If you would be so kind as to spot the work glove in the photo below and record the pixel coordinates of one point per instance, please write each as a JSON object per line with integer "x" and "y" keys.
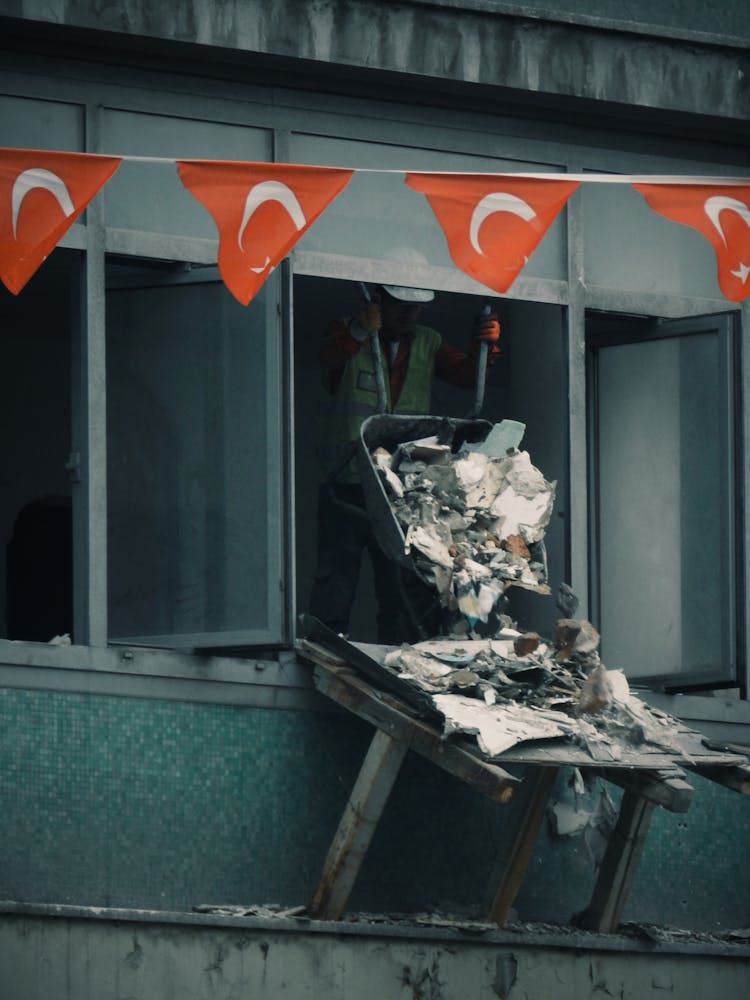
{"x": 368, "y": 319}
{"x": 487, "y": 330}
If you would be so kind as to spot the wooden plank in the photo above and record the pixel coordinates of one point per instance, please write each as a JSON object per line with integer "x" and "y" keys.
{"x": 736, "y": 777}
{"x": 323, "y": 646}
{"x": 619, "y": 866}
{"x": 388, "y": 714}
{"x": 664, "y": 788}
{"x": 357, "y": 826}
{"x": 514, "y": 868}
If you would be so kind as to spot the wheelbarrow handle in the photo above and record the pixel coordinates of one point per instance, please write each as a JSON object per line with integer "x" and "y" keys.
{"x": 481, "y": 378}
{"x": 377, "y": 358}
{"x": 377, "y": 361}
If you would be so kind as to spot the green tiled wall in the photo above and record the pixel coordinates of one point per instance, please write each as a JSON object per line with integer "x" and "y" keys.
{"x": 142, "y": 803}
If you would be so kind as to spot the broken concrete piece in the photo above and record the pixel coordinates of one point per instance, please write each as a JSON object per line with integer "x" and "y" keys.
{"x": 524, "y": 506}
{"x": 429, "y": 545}
{"x": 516, "y": 546}
{"x": 424, "y": 450}
{"x": 503, "y": 438}
{"x": 382, "y": 460}
{"x": 596, "y": 693}
{"x": 526, "y": 644}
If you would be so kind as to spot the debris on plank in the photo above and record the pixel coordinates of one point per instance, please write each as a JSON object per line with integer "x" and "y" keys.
{"x": 265, "y": 910}
{"x": 473, "y": 521}
{"x": 516, "y": 687}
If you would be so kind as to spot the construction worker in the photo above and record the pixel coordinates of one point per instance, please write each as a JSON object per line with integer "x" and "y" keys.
{"x": 412, "y": 355}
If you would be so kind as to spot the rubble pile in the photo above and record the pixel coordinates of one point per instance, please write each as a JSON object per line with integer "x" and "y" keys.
{"x": 472, "y": 520}
{"x": 517, "y": 687}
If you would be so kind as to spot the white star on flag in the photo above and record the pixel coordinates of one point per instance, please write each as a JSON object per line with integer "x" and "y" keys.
{"x": 742, "y": 272}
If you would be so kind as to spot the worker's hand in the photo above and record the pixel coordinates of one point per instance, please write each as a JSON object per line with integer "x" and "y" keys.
{"x": 487, "y": 328}
{"x": 487, "y": 331}
{"x": 368, "y": 319}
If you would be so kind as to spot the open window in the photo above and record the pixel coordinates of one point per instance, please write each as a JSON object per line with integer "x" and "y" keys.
{"x": 526, "y": 384}
{"x": 665, "y": 559}
{"x": 36, "y": 533}
{"x": 195, "y": 466}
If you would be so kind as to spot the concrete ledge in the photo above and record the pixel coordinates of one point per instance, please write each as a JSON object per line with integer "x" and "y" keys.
{"x": 493, "y": 46}
{"x": 81, "y": 953}
{"x": 282, "y": 683}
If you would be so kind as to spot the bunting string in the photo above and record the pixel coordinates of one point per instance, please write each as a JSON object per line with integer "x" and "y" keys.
{"x": 492, "y": 221}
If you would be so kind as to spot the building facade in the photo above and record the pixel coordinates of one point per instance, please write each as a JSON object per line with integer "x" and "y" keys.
{"x": 160, "y": 488}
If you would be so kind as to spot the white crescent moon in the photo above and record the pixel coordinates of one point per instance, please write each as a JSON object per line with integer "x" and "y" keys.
{"x": 271, "y": 191}
{"x": 497, "y": 201}
{"x": 713, "y": 208}
{"x": 37, "y": 177}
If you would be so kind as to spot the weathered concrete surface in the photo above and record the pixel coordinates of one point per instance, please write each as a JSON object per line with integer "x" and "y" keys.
{"x": 147, "y": 956}
{"x": 478, "y": 45}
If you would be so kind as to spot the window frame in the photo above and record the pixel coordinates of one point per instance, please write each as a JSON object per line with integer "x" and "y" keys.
{"x": 575, "y": 148}
{"x": 727, "y": 324}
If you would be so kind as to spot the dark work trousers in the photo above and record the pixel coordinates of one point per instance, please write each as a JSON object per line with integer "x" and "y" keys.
{"x": 343, "y": 535}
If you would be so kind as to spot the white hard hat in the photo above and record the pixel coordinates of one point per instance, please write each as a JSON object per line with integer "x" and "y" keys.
{"x": 406, "y": 293}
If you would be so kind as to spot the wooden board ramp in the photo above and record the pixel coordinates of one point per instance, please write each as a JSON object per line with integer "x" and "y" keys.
{"x": 649, "y": 778}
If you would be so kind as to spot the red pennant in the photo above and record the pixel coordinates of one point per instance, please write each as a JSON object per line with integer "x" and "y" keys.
{"x": 261, "y": 210}
{"x": 41, "y": 196}
{"x": 721, "y": 213}
{"x": 493, "y": 223}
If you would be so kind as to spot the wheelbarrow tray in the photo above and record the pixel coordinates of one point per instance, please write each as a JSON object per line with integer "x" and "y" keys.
{"x": 389, "y": 430}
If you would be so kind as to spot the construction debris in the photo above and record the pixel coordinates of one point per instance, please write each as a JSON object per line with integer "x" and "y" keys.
{"x": 472, "y": 520}
{"x": 519, "y": 687}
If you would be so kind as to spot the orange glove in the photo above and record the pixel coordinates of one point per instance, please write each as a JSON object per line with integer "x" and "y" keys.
{"x": 367, "y": 320}
{"x": 487, "y": 328}
{"x": 487, "y": 331}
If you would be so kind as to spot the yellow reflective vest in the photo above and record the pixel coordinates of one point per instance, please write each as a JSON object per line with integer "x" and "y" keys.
{"x": 356, "y": 397}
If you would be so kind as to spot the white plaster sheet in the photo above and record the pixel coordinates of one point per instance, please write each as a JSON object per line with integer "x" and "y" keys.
{"x": 499, "y": 727}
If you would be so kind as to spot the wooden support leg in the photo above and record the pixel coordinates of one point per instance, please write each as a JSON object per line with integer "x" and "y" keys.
{"x": 619, "y": 866}
{"x": 514, "y": 868}
{"x": 357, "y": 826}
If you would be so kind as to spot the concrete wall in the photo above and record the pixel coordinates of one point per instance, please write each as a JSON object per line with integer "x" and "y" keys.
{"x": 111, "y": 955}
{"x": 113, "y": 801}
{"x": 148, "y": 803}
{"x": 506, "y": 47}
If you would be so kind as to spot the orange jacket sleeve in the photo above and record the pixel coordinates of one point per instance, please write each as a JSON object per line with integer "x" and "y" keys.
{"x": 336, "y": 348}
{"x": 456, "y": 367}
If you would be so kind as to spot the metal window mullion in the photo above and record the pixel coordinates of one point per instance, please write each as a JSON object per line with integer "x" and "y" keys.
{"x": 577, "y": 445}
{"x": 90, "y": 509}
{"x": 288, "y": 565}
{"x": 89, "y": 437}
{"x": 743, "y": 673}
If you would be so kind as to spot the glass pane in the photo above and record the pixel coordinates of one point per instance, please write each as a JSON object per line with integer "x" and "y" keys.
{"x": 193, "y": 456}
{"x": 149, "y": 197}
{"x": 627, "y": 246}
{"x": 664, "y": 549}
{"x": 36, "y": 568}
{"x": 377, "y": 211}
{"x": 31, "y": 124}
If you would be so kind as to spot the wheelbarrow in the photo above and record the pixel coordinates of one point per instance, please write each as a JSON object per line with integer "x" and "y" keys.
{"x": 388, "y": 430}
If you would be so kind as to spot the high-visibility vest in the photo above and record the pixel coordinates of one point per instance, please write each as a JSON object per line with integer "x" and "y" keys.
{"x": 356, "y": 397}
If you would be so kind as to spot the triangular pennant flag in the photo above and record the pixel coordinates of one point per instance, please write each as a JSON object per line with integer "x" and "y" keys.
{"x": 261, "y": 210}
{"x": 42, "y": 193}
{"x": 721, "y": 213}
{"x": 492, "y": 222}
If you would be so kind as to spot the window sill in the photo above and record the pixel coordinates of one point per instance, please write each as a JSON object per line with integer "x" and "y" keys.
{"x": 717, "y": 716}
{"x": 284, "y": 683}
{"x": 135, "y": 672}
